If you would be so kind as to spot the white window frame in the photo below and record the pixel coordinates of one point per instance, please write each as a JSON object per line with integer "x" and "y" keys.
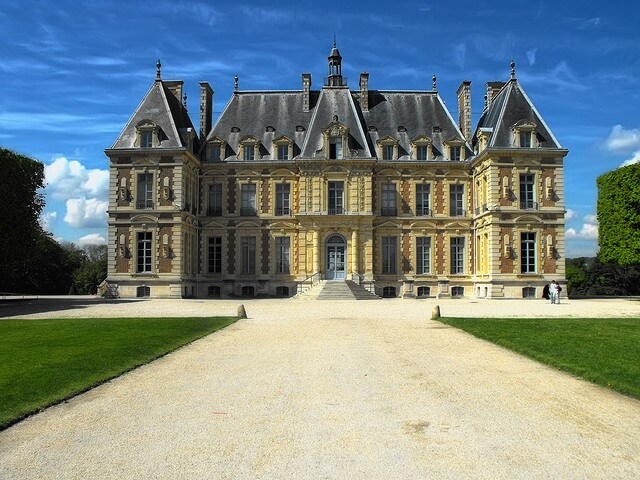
{"x": 423, "y": 255}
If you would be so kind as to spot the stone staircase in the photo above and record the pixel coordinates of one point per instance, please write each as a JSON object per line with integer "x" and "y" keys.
{"x": 345, "y": 290}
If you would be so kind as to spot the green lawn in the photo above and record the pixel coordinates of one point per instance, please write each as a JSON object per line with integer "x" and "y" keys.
{"x": 603, "y": 351}
{"x": 45, "y": 361}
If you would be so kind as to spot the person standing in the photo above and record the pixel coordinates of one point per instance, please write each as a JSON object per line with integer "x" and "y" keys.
{"x": 554, "y": 292}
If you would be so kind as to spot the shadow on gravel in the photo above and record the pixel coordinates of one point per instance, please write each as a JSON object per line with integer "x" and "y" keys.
{"x": 13, "y": 308}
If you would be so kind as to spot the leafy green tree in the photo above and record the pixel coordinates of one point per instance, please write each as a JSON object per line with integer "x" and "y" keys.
{"x": 619, "y": 216}
{"x": 20, "y": 208}
{"x": 92, "y": 271}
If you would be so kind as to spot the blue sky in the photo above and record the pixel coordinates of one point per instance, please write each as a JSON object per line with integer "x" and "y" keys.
{"x": 73, "y": 72}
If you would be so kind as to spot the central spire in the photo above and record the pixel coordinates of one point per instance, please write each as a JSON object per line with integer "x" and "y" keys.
{"x": 335, "y": 67}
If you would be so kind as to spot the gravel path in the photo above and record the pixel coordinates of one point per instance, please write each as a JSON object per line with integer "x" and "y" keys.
{"x": 335, "y": 390}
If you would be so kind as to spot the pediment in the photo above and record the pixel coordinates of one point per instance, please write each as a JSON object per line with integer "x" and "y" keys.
{"x": 282, "y": 139}
{"x": 524, "y": 124}
{"x": 282, "y": 172}
{"x": 214, "y": 225}
{"x": 387, "y": 140}
{"x": 248, "y": 224}
{"x": 143, "y": 218}
{"x": 424, "y": 225}
{"x": 248, "y": 173}
{"x": 421, "y": 139}
{"x": 390, "y": 224}
{"x": 215, "y": 172}
{"x": 528, "y": 218}
{"x": 141, "y": 162}
{"x": 282, "y": 225}
{"x": 145, "y": 123}
{"x": 335, "y": 169}
{"x": 390, "y": 172}
{"x": 457, "y": 226}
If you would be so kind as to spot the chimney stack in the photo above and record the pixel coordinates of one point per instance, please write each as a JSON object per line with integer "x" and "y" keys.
{"x": 175, "y": 87}
{"x": 364, "y": 91}
{"x": 492, "y": 90}
{"x": 206, "y": 109}
{"x": 306, "y": 89}
{"x": 464, "y": 108}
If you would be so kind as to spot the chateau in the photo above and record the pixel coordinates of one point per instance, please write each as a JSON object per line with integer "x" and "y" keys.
{"x": 380, "y": 187}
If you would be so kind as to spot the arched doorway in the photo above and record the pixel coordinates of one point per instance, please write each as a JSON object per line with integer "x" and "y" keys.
{"x": 336, "y": 258}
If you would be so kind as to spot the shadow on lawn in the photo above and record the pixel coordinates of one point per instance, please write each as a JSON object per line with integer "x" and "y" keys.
{"x": 31, "y": 306}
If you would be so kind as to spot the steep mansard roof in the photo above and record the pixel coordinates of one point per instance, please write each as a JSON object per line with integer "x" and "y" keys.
{"x": 160, "y": 107}
{"x": 403, "y": 116}
{"x": 510, "y": 107}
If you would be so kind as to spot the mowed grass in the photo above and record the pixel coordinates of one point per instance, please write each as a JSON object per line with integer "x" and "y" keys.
{"x": 45, "y": 361}
{"x": 603, "y": 351}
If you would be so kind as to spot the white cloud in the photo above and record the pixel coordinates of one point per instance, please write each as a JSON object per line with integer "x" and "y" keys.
{"x": 531, "y": 56}
{"x": 570, "y": 214}
{"x": 86, "y": 212}
{"x": 635, "y": 158}
{"x": 70, "y": 179}
{"x": 622, "y": 140}
{"x": 589, "y": 229}
{"x": 47, "y": 219}
{"x": 91, "y": 239}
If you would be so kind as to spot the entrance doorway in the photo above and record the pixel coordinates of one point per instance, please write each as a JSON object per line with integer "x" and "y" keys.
{"x": 336, "y": 258}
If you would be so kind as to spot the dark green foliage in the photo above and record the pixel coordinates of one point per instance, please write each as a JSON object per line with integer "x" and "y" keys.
{"x": 92, "y": 271}
{"x": 45, "y": 361}
{"x": 590, "y": 277}
{"x": 619, "y": 216}
{"x": 604, "y": 351}
{"x": 20, "y": 208}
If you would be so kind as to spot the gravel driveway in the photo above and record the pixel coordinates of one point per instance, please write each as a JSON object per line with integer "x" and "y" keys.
{"x": 335, "y": 390}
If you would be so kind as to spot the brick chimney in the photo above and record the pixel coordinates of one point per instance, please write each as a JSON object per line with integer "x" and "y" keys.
{"x": 464, "y": 108}
{"x": 206, "y": 109}
{"x": 492, "y": 90}
{"x": 175, "y": 87}
{"x": 364, "y": 91}
{"x": 306, "y": 91}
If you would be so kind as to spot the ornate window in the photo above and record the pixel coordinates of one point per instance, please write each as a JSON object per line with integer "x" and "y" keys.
{"x": 423, "y": 207}
{"x": 456, "y": 149}
{"x": 456, "y": 200}
{"x": 388, "y": 148}
{"x": 336, "y": 198}
{"x": 457, "y": 255}
{"x": 143, "y": 263}
{"x": 214, "y": 264}
{"x": 527, "y": 191}
{"x": 215, "y": 150}
{"x": 283, "y": 148}
{"x": 146, "y": 134}
{"x": 335, "y": 139}
{"x": 144, "y": 198}
{"x": 249, "y": 149}
{"x": 528, "y": 252}
{"x": 423, "y": 255}
{"x": 388, "y": 197}
{"x": 421, "y": 148}
{"x": 524, "y": 134}
{"x": 248, "y": 199}
{"x": 248, "y": 255}
{"x": 389, "y": 254}
{"x": 283, "y": 199}
{"x": 282, "y": 254}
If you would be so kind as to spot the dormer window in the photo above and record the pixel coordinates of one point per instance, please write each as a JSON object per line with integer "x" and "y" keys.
{"x": 524, "y": 134}
{"x": 420, "y": 148}
{"x": 215, "y": 150}
{"x": 248, "y": 149}
{"x": 335, "y": 139}
{"x": 283, "y": 148}
{"x": 388, "y": 148}
{"x": 147, "y": 134}
{"x": 456, "y": 152}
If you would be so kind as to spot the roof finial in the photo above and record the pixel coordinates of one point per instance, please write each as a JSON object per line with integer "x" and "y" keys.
{"x": 158, "y": 67}
{"x": 184, "y": 101}
{"x": 513, "y": 70}
{"x": 235, "y": 83}
{"x": 434, "y": 79}
{"x": 334, "y": 39}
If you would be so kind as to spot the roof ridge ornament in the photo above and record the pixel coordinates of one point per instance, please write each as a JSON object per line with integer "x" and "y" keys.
{"x": 513, "y": 70}
{"x": 235, "y": 84}
{"x": 434, "y": 81}
{"x": 158, "y": 67}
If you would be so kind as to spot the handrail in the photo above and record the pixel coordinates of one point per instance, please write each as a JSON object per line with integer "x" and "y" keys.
{"x": 310, "y": 279}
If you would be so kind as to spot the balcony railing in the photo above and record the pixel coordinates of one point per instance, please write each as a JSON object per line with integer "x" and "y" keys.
{"x": 144, "y": 204}
{"x": 528, "y": 205}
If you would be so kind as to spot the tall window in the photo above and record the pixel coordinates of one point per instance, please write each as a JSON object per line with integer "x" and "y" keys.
{"x": 248, "y": 254}
{"x": 336, "y": 198}
{"x": 457, "y": 255}
{"x": 389, "y": 199}
{"x": 456, "y": 200}
{"x": 283, "y": 152}
{"x": 527, "y": 191}
{"x": 146, "y": 138}
{"x": 387, "y": 152}
{"x": 335, "y": 147}
{"x": 282, "y": 254}
{"x": 248, "y": 199}
{"x": 422, "y": 199}
{"x": 389, "y": 250}
{"x": 423, "y": 255}
{"x": 144, "y": 252}
{"x": 421, "y": 152}
{"x": 248, "y": 152}
{"x": 525, "y": 139}
{"x": 145, "y": 191}
{"x": 455, "y": 153}
{"x": 214, "y": 202}
{"x": 282, "y": 199}
{"x": 528, "y": 252}
{"x": 215, "y": 255}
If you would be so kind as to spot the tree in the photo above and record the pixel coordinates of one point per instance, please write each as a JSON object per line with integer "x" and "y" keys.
{"x": 93, "y": 271}
{"x": 619, "y": 216}
{"x": 20, "y": 208}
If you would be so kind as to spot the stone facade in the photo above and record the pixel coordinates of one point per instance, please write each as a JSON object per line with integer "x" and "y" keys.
{"x": 379, "y": 187}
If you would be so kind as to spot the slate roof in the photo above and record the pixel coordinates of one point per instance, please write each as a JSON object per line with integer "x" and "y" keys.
{"x": 161, "y": 107}
{"x": 510, "y": 106}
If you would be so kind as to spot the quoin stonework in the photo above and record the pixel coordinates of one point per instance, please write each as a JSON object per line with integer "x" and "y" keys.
{"x": 380, "y": 187}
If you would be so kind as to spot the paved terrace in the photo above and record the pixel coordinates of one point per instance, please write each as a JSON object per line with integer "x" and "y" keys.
{"x": 343, "y": 389}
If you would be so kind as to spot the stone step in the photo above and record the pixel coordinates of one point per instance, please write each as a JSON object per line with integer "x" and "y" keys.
{"x": 344, "y": 290}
